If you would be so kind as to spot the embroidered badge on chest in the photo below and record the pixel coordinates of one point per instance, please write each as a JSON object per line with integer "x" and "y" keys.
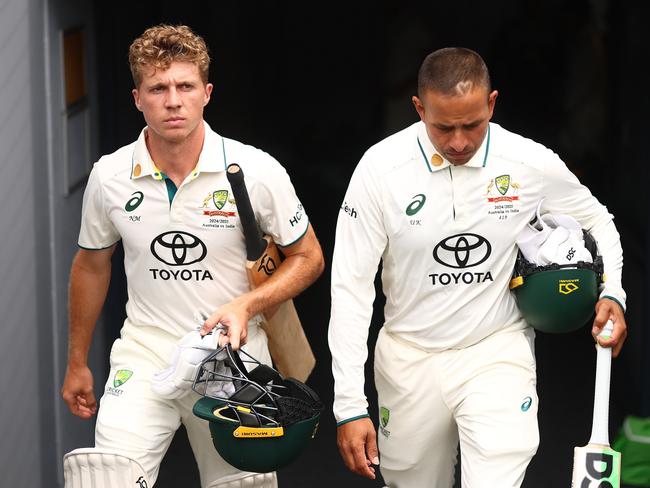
{"x": 218, "y": 210}
{"x": 502, "y": 197}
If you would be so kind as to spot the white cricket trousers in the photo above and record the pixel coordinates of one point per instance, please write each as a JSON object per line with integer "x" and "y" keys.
{"x": 483, "y": 396}
{"x": 136, "y": 422}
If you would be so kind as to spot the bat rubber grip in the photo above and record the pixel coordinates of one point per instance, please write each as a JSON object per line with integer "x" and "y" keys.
{"x": 255, "y": 243}
{"x": 600, "y": 423}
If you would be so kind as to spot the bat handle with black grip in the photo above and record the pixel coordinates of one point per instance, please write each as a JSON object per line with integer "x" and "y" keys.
{"x": 255, "y": 243}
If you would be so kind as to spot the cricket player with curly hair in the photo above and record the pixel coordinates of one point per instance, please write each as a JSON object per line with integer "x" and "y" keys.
{"x": 167, "y": 198}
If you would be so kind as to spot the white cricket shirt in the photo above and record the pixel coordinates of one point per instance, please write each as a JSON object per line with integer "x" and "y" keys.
{"x": 184, "y": 255}
{"x": 446, "y": 236}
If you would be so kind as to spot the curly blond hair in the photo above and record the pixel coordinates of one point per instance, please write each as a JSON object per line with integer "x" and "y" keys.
{"x": 163, "y": 44}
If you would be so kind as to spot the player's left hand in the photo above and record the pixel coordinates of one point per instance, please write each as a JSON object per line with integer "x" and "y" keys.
{"x": 607, "y": 309}
{"x": 233, "y": 316}
{"x": 357, "y": 441}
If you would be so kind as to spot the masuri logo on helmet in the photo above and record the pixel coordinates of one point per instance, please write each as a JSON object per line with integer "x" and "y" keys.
{"x": 265, "y": 421}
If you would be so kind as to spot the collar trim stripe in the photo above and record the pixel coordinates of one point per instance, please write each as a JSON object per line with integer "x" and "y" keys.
{"x": 424, "y": 155}
{"x": 223, "y": 150}
{"x": 487, "y": 147}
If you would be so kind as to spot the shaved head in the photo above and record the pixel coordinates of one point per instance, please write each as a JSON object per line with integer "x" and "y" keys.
{"x": 453, "y": 71}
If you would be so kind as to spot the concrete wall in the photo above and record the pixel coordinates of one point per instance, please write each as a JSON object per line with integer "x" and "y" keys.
{"x": 23, "y": 213}
{"x": 39, "y": 218}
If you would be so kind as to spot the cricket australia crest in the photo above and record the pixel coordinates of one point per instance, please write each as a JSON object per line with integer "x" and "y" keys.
{"x": 221, "y": 214}
{"x": 502, "y": 183}
{"x": 121, "y": 377}
{"x": 502, "y": 197}
{"x": 220, "y": 197}
{"x": 384, "y": 417}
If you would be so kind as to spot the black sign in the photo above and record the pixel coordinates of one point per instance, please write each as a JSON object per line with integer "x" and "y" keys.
{"x": 178, "y": 248}
{"x": 462, "y": 251}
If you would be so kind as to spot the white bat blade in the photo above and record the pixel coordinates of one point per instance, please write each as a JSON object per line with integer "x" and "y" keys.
{"x": 596, "y": 466}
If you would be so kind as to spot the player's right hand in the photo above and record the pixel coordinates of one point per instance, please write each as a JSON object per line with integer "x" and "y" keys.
{"x": 233, "y": 316}
{"x": 357, "y": 441}
{"x": 607, "y": 309}
{"x": 77, "y": 391}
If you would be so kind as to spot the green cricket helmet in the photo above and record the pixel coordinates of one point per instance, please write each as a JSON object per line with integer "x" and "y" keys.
{"x": 558, "y": 298}
{"x": 259, "y": 421}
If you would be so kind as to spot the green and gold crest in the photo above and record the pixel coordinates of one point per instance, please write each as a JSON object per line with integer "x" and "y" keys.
{"x": 384, "y": 416}
{"x": 220, "y": 197}
{"x": 121, "y": 377}
{"x": 503, "y": 183}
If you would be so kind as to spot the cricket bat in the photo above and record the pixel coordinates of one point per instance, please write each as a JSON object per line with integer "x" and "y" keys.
{"x": 288, "y": 345}
{"x": 597, "y": 465}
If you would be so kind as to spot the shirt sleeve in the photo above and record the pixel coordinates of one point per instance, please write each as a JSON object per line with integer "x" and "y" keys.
{"x": 564, "y": 193}
{"x": 97, "y": 231}
{"x": 277, "y": 207}
{"x": 361, "y": 239}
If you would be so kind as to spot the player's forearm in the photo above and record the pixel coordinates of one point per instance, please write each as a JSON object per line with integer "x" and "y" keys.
{"x": 609, "y": 246}
{"x": 352, "y": 298}
{"x": 294, "y": 275}
{"x": 350, "y": 402}
{"x": 87, "y": 293}
{"x": 565, "y": 194}
{"x": 351, "y": 313}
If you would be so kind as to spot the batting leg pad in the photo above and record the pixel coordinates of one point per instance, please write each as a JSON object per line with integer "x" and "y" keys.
{"x": 261, "y": 480}
{"x": 99, "y": 468}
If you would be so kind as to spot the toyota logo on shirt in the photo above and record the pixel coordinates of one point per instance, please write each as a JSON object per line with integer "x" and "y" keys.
{"x": 178, "y": 248}
{"x": 462, "y": 251}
